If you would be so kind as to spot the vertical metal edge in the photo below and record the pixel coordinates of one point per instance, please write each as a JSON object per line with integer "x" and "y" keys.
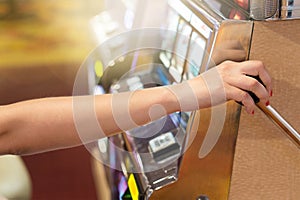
{"x": 241, "y": 31}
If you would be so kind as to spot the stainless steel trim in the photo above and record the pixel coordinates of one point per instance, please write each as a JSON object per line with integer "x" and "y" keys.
{"x": 263, "y": 9}
{"x": 281, "y": 122}
{"x": 181, "y": 9}
{"x": 212, "y": 20}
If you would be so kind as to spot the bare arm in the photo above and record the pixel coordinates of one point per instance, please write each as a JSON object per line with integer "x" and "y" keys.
{"x": 52, "y": 123}
{"x": 47, "y": 124}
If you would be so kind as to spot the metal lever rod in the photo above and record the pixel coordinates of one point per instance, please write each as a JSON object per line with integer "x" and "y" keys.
{"x": 281, "y": 122}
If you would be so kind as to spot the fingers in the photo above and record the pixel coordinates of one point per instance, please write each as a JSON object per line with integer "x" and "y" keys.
{"x": 257, "y": 68}
{"x": 248, "y": 83}
{"x": 243, "y": 97}
{"x": 240, "y": 78}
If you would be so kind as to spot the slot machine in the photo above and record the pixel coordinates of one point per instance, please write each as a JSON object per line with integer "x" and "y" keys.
{"x": 215, "y": 153}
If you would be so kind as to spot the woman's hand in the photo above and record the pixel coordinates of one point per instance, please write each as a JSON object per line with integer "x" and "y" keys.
{"x": 231, "y": 81}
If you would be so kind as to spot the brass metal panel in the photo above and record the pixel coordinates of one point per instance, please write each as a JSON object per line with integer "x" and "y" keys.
{"x": 211, "y": 175}
{"x": 267, "y": 163}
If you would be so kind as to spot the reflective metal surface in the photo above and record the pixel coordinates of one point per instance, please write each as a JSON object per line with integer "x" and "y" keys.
{"x": 263, "y": 9}
{"x": 213, "y": 27}
{"x": 210, "y": 176}
{"x": 255, "y": 9}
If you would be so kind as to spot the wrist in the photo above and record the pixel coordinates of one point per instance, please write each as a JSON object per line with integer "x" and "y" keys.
{"x": 185, "y": 95}
{"x": 201, "y": 91}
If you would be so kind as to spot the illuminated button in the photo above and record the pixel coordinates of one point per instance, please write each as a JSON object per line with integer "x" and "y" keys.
{"x": 133, "y": 187}
{"x": 98, "y": 67}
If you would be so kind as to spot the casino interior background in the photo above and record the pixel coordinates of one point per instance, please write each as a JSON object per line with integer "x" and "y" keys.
{"x": 42, "y": 44}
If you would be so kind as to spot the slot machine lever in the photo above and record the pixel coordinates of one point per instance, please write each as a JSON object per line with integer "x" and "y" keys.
{"x": 270, "y": 112}
{"x": 275, "y": 116}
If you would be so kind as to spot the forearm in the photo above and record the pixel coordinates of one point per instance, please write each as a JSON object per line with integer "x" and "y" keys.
{"x": 47, "y": 124}
{"x": 37, "y": 125}
{"x": 124, "y": 111}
